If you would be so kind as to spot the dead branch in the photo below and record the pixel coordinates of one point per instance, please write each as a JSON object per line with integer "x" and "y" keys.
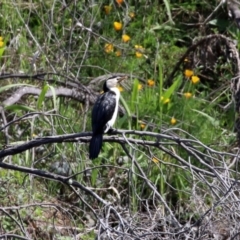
{"x": 159, "y": 141}
{"x": 59, "y": 92}
{"x": 201, "y": 43}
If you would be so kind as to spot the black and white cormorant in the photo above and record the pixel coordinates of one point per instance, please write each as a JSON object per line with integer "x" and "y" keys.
{"x": 104, "y": 113}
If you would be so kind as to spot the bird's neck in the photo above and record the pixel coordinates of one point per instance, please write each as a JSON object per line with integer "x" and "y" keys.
{"x": 115, "y": 90}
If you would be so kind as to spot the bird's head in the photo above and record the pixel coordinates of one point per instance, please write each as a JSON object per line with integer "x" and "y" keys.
{"x": 112, "y": 82}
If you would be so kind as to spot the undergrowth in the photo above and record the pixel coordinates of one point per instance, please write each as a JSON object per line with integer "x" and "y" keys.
{"x": 76, "y": 42}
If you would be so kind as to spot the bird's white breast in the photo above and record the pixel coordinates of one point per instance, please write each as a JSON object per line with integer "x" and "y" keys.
{"x": 111, "y": 122}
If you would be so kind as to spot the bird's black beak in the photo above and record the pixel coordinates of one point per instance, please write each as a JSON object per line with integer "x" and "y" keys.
{"x": 122, "y": 78}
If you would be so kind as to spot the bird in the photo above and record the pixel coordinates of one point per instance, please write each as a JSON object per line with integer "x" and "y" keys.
{"x": 104, "y": 113}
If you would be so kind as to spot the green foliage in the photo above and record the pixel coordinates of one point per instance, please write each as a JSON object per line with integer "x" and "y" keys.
{"x": 4, "y": 88}
{"x": 42, "y": 96}
{"x": 79, "y": 41}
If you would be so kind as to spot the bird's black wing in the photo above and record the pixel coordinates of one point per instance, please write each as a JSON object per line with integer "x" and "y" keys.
{"x": 103, "y": 111}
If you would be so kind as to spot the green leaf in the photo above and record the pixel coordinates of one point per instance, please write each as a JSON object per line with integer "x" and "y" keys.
{"x": 160, "y": 82}
{"x": 94, "y": 176}
{"x": 19, "y": 107}
{"x": 4, "y": 88}
{"x": 220, "y": 23}
{"x": 2, "y": 49}
{"x": 125, "y": 105}
{"x": 164, "y": 27}
{"x": 166, "y": 2}
{"x": 134, "y": 97}
{"x": 42, "y": 95}
{"x": 127, "y": 110}
{"x": 54, "y": 97}
{"x": 168, "y": 93}
{"x": 213, "y": 121}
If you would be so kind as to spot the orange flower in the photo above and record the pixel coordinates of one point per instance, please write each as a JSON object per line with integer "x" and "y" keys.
{"x": 138, "y": 47}
{"x": 117, "y": 26}
{"x": 119, "y": 2}
{"x": 187, "y": 95}
{"x": 155, "y": 160}
{"x": 120, "y": 88}
{"x": 107, "y": 9}
{"x": 118, "y": 53}
{"x": 150, "y": 82}
{"x": 132, "y": 15}
{"x": 141, "y": 124}
{"x": 125, "y": 38}
{"x": 188, "y": 73}
{"x": 173, "y": 121}
{"x": 195, "y": 79}
{"x": 139, "y": 53}
{"x": 108, "y": 48}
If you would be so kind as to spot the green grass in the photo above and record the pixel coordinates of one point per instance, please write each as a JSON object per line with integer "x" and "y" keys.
{"x": 79, "y": 53}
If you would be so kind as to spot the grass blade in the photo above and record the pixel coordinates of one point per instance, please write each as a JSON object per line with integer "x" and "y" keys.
{"x": 42, "y": 96}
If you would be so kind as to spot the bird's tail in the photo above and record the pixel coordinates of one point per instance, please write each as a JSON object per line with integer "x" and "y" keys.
{"x": 95, "y": 146}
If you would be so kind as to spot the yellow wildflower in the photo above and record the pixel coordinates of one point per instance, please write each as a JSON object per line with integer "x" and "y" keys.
{"x": 188, "y": 73}
{"x": 107, "y": 9}
{"x": 166, "y": 101}
{"x": 138, "y": 47}
{"x": 118, "y": 53}
{"x": 108, "y": 48}
{"x": 125, "y": 38}
{"x": 117, "y": 26}
{"x": 141, "y": 124}
{"x": 140, "y": 86}
{"x": 195, "y": 79}
{"x": 120, "y": 88}
{"x": 155, "y": 160}
{"x": 173, "y": 121}
{"x": 187, "y": 95}
{"x": 119, "y": 2}
{"x": 1, "y": 39}
{"x": 1, "y": 44}
{"x": 132, "y": 15}
{"x": 139, "y": 53}
{"x": 150, "y": 82}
